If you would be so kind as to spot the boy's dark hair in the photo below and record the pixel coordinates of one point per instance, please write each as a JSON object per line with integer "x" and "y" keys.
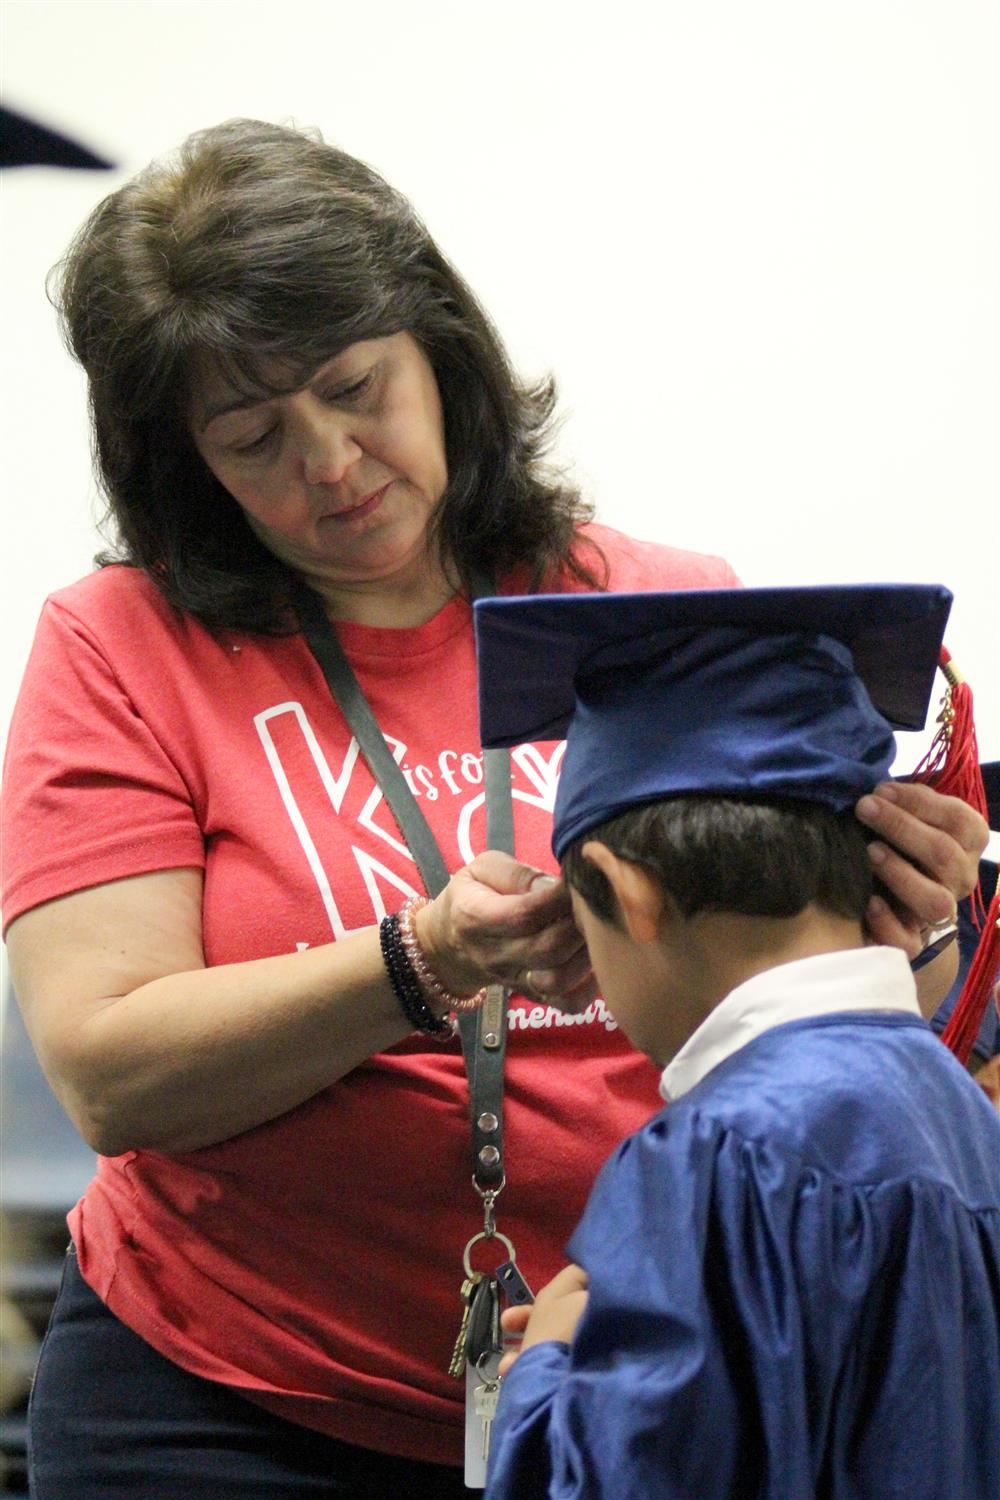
{"x": 760, "y": 858}
{"x": 258, "y": 249}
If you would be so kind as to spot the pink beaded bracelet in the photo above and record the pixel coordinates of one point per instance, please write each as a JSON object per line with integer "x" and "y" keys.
{"x": 430, "y": 983}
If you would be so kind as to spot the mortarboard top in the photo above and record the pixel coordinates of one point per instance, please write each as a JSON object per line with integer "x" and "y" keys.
{"x": 530, "y": 647}
{"x": 27, "y": 143}
{"x": 768, "y": 692}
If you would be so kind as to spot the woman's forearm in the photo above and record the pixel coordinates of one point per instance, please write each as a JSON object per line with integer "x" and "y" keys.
{"x": 193, "y": 1058}
{"x": 149, "y": 1048}
{"x": 935, "y": 979}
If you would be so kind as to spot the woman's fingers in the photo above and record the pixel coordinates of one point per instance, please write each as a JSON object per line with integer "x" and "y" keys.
{"x": 943, "y": 835}
{"x": 911, "y": 812}
{"x": 927, "y": 858}
{"x": 501, "y": 920}
{"x": 552, "y": 964}
{"x": 571, "y": 987}
{"x": 497, "y": 920}
{"x": 890, "y": 930}
{"x": 922, "y": 902}
{"x": 498, "y": 888}
{"x": 556, "y": 957}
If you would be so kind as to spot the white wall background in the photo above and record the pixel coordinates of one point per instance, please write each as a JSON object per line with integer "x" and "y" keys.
{"x": 756, "y": 242}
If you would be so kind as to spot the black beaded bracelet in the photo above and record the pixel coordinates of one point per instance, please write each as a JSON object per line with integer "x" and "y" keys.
{"x": 406, "y": 984}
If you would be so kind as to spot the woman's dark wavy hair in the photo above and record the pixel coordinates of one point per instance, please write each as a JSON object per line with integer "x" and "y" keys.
{"x": 260, "y": 247}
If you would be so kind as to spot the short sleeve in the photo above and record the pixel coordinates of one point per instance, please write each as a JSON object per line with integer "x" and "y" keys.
{"x": 90, "y": 794}
{"x": 636, "y": 566}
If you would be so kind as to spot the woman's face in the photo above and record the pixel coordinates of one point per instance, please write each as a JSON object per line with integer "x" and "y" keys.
{"x": 340, "y": 478}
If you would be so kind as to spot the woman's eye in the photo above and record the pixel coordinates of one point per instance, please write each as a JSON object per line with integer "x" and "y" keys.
{"x": 255, "y": 445}
{"x": 347, "y": 393}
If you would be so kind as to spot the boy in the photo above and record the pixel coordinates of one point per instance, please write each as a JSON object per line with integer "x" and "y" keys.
{"x": 788, "y": 1283}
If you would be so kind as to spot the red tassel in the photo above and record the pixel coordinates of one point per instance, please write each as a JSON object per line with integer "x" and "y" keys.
{"x": 951, "y": 765}
{"x": 965, "y": 1020}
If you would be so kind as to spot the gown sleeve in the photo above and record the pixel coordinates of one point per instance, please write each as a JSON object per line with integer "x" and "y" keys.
{"x": 758, "y": 1327}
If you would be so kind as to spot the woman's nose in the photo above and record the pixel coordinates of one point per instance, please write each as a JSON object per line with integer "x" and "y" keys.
{"x": 328, "y": 450}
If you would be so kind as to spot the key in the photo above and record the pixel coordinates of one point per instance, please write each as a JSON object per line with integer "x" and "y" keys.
{"x": 513, "y": 1285}
{"x": 485, "y": 1398}
{"x": 483, "y": 1332}
{"x": 469, "y": 1286}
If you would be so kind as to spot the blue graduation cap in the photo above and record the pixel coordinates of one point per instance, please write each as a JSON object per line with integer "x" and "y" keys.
{"x": 28, "y": 143}
{"x": 727, "y": 692}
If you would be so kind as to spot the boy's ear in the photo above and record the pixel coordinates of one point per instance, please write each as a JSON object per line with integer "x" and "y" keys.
{"x": 641, "y": 902}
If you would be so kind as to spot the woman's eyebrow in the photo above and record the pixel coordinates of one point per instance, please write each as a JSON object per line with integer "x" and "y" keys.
{"x": 243, "y": 403}
{"x": 222, "y": 408}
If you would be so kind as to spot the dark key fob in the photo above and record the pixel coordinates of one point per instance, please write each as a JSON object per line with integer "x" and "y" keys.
{"x": 483, "y": 1321}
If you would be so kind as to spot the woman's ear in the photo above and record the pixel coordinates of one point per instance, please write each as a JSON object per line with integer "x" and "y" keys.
{"x": 641, "y": 902}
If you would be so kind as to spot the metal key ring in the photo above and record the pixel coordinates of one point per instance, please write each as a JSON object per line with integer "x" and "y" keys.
{"x": 482, "y": 1235}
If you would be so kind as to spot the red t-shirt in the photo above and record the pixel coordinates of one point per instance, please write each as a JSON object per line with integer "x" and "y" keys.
{"x": 313, "y": 1263}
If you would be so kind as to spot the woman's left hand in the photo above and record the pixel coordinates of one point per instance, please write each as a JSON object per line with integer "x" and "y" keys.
{"x": 927, "y": 855}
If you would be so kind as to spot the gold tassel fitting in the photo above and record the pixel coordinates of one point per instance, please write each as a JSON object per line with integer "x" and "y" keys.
{"x": 952, "y": 675}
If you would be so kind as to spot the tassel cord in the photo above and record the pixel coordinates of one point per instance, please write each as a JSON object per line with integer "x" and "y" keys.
{"x": 959, "y": 1035}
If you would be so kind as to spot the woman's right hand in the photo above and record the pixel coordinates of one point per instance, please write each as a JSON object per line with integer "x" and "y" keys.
{"x": 498, "y": 920}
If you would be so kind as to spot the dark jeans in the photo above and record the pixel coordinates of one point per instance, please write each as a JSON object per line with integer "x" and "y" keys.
{"x": 110, "y": 1416}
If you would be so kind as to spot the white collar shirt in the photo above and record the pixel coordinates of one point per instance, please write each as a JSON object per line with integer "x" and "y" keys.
{"x": 856, "y": 979}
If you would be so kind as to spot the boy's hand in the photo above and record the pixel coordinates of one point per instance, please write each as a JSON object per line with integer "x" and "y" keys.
{"x": 554, "y": 1314}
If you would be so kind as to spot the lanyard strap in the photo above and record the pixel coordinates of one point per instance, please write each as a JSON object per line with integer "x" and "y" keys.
{"x": 483, "y": 1031}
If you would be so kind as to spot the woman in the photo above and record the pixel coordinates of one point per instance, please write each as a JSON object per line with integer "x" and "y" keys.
{"x": 290, "y": 386}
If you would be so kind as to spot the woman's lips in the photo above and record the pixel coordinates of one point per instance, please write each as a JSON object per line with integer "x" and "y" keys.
{"x": 357, "y": 512}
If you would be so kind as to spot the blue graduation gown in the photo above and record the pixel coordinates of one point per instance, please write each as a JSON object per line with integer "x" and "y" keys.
{"x": 794, "y": 1289}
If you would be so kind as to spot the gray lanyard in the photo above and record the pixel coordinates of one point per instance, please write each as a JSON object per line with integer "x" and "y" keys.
{"x": 483, "y": 1031}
